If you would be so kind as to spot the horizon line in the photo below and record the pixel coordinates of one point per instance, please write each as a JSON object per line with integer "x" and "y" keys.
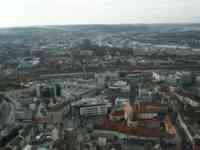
{"x": 99, "y": 24}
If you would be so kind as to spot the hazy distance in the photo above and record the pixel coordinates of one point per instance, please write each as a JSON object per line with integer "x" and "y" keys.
{"x": 63, "y": 12}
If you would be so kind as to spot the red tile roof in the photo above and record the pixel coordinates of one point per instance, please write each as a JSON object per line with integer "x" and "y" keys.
{"x": 142, "y": 108}
{"x": 118, "y": 113}
{"x": 123, "y": 128}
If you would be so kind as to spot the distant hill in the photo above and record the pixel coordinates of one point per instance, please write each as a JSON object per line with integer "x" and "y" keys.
{"x": 135, "y": 28}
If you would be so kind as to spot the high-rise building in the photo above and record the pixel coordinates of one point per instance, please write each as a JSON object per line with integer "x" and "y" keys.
{"x": 133, "y": 92}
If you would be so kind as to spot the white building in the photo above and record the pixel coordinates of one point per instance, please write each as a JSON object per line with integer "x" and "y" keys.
{"x": 92, "y": 106}
{"x": 94, "y": 110}
{"x": 121, "y": 101}
{"x": 122, "y": 85}
{"x": 54, "y": 134}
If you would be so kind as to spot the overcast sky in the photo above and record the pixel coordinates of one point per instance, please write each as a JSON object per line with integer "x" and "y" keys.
{"x": 50, "y": 12}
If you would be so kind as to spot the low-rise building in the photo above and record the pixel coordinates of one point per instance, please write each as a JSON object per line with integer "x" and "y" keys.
{"x": 92, "y": 106}
{"x": 93, "y": 110}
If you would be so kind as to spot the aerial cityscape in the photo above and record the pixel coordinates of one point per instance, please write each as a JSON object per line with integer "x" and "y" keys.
{"x": 100, "y": 87}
